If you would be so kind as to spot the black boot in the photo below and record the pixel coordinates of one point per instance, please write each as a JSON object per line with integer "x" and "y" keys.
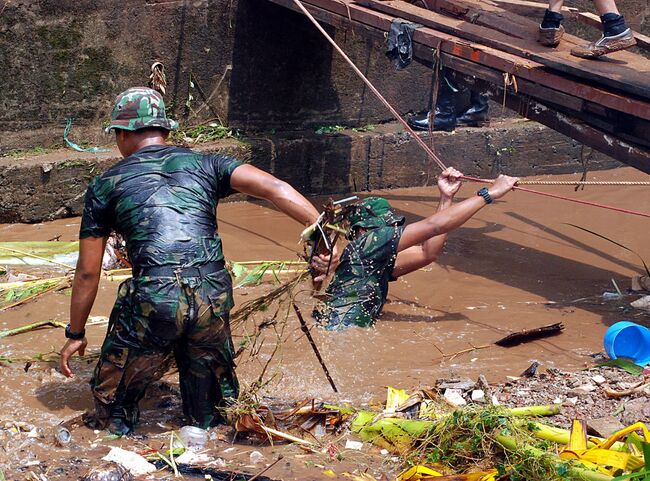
{"x": 445, "y": 117}
{"x": 477, "y": 114}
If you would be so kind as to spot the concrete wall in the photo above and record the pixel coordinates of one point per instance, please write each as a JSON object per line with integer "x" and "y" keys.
{"x": 255, "y": 66}
{"x": 52, "y": 185}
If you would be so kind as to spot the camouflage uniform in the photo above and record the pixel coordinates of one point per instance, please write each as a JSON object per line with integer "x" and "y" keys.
{"x": 163, "y": 200}
{"x": 356, "y": 295}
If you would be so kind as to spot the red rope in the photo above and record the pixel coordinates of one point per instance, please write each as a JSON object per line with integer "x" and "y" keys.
{"x": 432, "y": 155}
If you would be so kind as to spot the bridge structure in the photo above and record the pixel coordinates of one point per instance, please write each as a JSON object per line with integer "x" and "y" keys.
{"x": 603, "y": 103}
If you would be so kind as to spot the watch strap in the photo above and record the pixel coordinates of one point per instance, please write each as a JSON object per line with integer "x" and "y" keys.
{"x": 483, "y": 192}
{"x": 75, "y": 336}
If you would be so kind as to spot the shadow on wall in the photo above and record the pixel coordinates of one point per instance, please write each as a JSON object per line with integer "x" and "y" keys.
{"x": 282, "y": 79}
{"x": 281, "y": 70}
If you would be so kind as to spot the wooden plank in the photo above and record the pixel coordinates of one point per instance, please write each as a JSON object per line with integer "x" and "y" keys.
{"x": 536, "y": 9}
{"x": 576, "y": 129}
{"x": 592, "y": 114}
{"x": 566, "y": 124}
{"x": 623, "y": 71}
{"x": 502, "y": 61}
{"x": 505, "y": 62}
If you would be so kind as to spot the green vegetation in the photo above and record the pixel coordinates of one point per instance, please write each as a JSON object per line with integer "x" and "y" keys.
{"x": 330, "y": 129}
{"x": 16, "y": 153}
{"x": 205, "y": 133}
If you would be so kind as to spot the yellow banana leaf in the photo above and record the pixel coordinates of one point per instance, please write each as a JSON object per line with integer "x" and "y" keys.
{"x": 417, "y": 473}
{"x": 395, "y": 398}
{"x": 422, "y": 473}
{"x": 602, "y": 457}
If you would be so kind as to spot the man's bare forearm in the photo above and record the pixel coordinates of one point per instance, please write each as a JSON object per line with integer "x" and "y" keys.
{"x": 294, "y": 204}
{"x": 84, "y": 291}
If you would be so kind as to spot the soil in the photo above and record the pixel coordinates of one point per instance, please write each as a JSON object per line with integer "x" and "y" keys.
{"x": 515, "y": 265}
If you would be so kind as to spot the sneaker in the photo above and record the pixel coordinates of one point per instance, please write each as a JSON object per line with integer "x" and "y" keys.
{"x": 605, "y": 45}
{"x": 550, "y": 37}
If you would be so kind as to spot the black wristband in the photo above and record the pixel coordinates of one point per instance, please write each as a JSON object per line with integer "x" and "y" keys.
{"x": 483, "y": 192}
{"x": 75, "y": 336}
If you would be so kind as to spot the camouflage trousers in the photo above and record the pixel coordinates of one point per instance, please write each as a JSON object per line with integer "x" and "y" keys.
{"x": 155, "y": 318}
{"x": 340, "y": 312}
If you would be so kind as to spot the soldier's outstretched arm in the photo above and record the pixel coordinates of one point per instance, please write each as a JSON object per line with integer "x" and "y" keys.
{"x": 253, "y": 181}
{"x": 421, "y": 255}
{"x": 84, "y": 290}
{"x": 453, "y": 217}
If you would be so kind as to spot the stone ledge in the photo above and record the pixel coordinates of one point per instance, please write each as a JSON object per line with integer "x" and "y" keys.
{"x": 50, "y": 186}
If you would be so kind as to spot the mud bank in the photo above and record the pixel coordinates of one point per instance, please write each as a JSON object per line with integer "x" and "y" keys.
{"x": 50, "y": 186}
{"x": 516, "y": 265}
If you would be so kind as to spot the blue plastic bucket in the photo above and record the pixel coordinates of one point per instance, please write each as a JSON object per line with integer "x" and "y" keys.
{"x": 630, "y": 340}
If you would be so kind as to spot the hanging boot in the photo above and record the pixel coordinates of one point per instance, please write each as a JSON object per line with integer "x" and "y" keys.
{"x": 477, "y": 114}
{"x": 445, "y": 114}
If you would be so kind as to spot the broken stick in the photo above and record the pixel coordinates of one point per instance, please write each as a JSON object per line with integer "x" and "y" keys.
{"x": 520, "y": 337}
{"x": 305, "y": 329}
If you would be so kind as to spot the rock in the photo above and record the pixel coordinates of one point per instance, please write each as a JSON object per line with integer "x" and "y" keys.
{"x": 583, "y": 390}
{"x": 132, "y": 462}
{"x": 478, "y": 396}
{"x": 636, "y": 410}
{"x": 107, "y": 471}
{"x": 642, "y": 303}
{"x": 598, "y": 379}
{"x": 461, "y": 384}
{"x": 604, "y": 427}
{"x": 256, "y": 457}
{"x": 455, "y": 397}
{"x": 356, "y": 445}
{"x": 572, "y": 401}
{"x": 641, "y": 283}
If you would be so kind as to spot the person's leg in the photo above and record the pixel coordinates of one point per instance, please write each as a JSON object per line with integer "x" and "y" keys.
{"x": 205, "y": 354}
{"x": 128, "y": 363}
{"x": 551, "y": 29}
{"x": 616, "y": 34}
{"x": 606, "y": 6}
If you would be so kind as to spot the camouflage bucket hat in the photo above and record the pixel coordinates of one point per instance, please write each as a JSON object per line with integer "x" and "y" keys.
{"x": 138, "y": 108}
{"x": 373, "y": 212}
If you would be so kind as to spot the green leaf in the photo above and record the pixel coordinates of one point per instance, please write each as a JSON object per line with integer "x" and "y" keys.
{"x": 238, "y": 270}
{"x": 623, "y": 363}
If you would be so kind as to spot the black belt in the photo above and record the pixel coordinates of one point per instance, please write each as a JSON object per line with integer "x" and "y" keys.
{"x": 173, "y": 271}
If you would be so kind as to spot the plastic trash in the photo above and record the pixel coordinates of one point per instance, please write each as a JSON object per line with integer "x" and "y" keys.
{"x": 256, "y": 457}
{"x": 62, "y": 436}
{"x": 630, "y": 340}
{"x": 194, "y": 438}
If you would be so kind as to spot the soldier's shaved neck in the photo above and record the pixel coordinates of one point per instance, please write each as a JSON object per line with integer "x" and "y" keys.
{"x": 129, "y": 142}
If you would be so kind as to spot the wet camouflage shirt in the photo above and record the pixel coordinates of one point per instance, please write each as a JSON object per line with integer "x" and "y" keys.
{"x": 162, "y": 200}
{"x": 356, "y": 295}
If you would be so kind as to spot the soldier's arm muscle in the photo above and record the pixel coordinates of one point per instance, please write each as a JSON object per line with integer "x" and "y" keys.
{"x": 84, "y": 290}
{"x": 421, "y": 255}
{"x": 253, "y": 181}
{"x": 453, "y": 217}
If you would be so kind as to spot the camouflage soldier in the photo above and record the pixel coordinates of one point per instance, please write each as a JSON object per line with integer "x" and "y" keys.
{"x": 162, "y": 199}
{"x": 382, "y": 249}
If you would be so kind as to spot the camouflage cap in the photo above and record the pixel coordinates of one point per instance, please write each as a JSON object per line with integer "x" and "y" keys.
{"x": 138, "y": 108}
{"x": 373, "y": 212}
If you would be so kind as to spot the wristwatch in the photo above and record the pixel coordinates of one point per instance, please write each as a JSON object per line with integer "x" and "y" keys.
{"x": 483, "y": 192}
{"x": 75, "y": 336}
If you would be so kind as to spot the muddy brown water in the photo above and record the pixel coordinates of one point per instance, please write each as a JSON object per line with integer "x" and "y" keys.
{"x": 515, "y": 265}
